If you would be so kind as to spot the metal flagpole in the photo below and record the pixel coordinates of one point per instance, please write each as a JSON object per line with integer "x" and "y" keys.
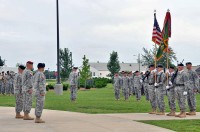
{"x": 155, "y": 59}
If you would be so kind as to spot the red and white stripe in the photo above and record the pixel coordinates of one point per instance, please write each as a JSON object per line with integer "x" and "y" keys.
{"x": 156, "y": 36}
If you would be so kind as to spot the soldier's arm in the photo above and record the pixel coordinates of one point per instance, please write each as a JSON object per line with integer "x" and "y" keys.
{"x": 29, "y": 78}
{"x": 16, "y": 86}
{"x": 196, "y": 79}
{"x": 42, "y": 84}
{"x": 186, "y": 80}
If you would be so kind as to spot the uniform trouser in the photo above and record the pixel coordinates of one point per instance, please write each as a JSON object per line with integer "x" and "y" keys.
{"x": 171, "y": 99}
{"x": 0, "y": 87}
{"x": 138, "y": 93}
{"x": 73, "y": 90}
{"x": 160, "y": 98}
{"x": 191, "y": 99}
{"x": 180, "y": 97}
{"x": 8, "y": 88}
{"x": 117, "y": 92}
{"x": 19, "y": 102}
{"x": 3, "y": 88}
{"x": 133, "y": 90}
{"x": 130, "y": 90}
{"x": 146, "y": 92}
{"x": 12, "y": 88}
{"x": 126, "y": 92}
{"x": 39, "y": 104}
{"x": 152, "y": 96}
{"x": 27, "y": 102}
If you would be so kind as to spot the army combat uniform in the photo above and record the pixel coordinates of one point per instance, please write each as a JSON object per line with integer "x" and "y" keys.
{"x": 181, "y": 85}
{"x": 193, "y": 85}
{"x": 18, "y": 95}
{"x": 146, "y": 92}
{"x": 117, "y": 85}
{"x": 171, "y": 95}
{"x": 160, "y": 89}
{"x": 151, "y": 90}
{"x": 27, "y": 84}
{"x": 8, "y": 84}
{"x": 130, "y": 85}
{"x": 137, "y": 86}
{"x": 73, "y": 77}
{"x": 125, "y": 87}
{"x": 40, "y": 88}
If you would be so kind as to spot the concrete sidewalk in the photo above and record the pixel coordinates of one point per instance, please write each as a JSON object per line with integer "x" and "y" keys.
{"x": 62, "y": 121}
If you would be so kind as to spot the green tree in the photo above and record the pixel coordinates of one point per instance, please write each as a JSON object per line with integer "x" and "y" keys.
{"x": 65, "y": 63}
{"x": 149, "y": 55}
{"x": 85, "y": 71}
{"x": 113, "y": 64}
{"x": 2, "y": 62}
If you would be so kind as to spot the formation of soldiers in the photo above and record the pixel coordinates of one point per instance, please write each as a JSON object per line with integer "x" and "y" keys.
{"x": 179, "y": 84}
{"x": 6, "y": 83}
{"x": 25, "y": 84}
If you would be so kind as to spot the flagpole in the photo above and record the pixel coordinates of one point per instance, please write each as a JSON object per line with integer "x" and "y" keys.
{"x": 155, "y": 59}
{"x": 168, "y": 60}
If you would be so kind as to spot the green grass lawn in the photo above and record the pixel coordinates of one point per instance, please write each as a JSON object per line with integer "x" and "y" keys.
{"x": 92, "y": 101}
{"x": 177, "y": 125}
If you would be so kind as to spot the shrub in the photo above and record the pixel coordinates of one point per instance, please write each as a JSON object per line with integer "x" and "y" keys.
{"x": 65, "y": 86}
{"x": 50, "y": 86}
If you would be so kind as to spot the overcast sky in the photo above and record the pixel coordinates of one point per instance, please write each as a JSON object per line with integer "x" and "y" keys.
{"x": 94, "y": 28}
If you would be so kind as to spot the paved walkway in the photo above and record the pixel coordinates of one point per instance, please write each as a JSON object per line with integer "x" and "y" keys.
{"x": 62, "y": 121}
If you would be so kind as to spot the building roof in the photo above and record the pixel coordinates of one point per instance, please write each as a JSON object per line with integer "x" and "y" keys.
{"x": 124, "y": 66}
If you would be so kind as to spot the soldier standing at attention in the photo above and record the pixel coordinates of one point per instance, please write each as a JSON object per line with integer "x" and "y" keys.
{"x": 125, "y": 85}
{"x": 137, "y": 85}
{"x": 8, "y": 86}
{"x": 27, "y": 89}
{"x": 171, "y": 92}
{"x": 73, "y": 77}
{"x": 181, "y": 86}
{"x": 18, "y": 92}
{"x": 117, "y": 84}
{"x": 145, "y": 85}
{"x": 151, "y": 88}
{"x": 40, "y": 91}
{"x": 3, "y": 84}
{"x": 130, "y": 77}
{"x": 193, "y": 87}
{"x": 160, "y": 89}
{"x": 0, "y": 83}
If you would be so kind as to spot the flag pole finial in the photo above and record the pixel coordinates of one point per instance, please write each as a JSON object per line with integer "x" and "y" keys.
{"x": 168, "y": 10}
{"x": 154, "y": 11}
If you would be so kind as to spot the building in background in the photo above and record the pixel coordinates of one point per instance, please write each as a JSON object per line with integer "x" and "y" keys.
{"x": 5, "y": 69}
{"x": 99, "y": 69}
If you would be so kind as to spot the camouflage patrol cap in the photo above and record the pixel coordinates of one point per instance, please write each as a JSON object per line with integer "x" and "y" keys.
{"x": 172, "y": 67}
{"x": 160, "y": 66}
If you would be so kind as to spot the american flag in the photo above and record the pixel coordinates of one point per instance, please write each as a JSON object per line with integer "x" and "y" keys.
{"x": 157, "y": 35}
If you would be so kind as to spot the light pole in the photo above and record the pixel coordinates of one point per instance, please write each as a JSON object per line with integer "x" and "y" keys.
{"x": 58, "y": 87}
{"x": 138, "y": 61}
{"x": 49, "y": 73}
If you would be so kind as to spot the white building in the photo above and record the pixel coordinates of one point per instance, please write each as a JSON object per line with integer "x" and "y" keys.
{"x": 100, "y": 69}
{"x": 5, "y": 69}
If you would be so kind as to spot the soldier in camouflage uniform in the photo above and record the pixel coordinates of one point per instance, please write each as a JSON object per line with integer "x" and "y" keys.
{"x": 137, "y": 85}
{"x": 73, "y": 77}
{"x": 130, "y": 77}
{"x": 181, "y": 86}
{"x": 117, "y": 85}
{"x": 151, "y": 89}
{"x": 8, "y": 86}
{"x": 145, "y": 84}
{"x": 39, "y": 85}
{"x": 3, "y": 84}
{"x": 125, "y": 85}
{"x": 27, "y": 89}
{"x": 160, "y": 89}
{"x": 193, "y": 87}
{"x": 12, "y": 77}
{"x": 18, "y": 92}
{"x": 171, "y": 92}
